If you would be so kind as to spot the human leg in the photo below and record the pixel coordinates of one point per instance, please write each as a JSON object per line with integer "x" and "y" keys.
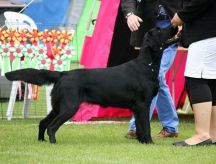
{"x": 165, "y": 105}
{"x": 213, "y": 125}
{"x": 212, "y": 84}
{"x": 131, "y": 134}
{"x": 201, "y": 98}
{"x": 202, "y": 116}
{"x": 132, "y": 126}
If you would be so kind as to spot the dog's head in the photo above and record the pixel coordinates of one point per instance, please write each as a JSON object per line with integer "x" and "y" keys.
{"x": 158, "y": 39}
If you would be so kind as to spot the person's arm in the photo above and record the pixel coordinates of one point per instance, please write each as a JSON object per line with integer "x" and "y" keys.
{"x": 171, "y": 6}
{"x": 129, "y": 8}
{"x": 194, "y": 9}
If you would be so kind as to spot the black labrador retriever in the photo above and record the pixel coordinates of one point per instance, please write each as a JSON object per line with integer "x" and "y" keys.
{"x": 130, "y": 85}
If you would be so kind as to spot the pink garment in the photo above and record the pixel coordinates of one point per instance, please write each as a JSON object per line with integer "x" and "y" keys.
{"x": 95, "y": 54}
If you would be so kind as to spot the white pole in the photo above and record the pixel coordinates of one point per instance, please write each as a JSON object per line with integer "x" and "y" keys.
{"x": 26, "y": 6}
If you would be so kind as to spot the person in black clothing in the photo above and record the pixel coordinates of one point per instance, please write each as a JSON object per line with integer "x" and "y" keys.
{"x": 198, "y": 19}
{"x": 142, "y": 15}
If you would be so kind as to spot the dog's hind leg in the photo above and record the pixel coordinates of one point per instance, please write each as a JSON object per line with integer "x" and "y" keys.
{"x": 143, "y": 123}
{"x": 64, "y": 115}
{"x": 44, "y": 123}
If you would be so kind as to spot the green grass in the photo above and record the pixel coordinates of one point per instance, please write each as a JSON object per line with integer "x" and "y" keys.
{"x": 95, "y": 144}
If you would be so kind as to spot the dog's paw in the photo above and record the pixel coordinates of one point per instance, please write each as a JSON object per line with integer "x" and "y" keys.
{"x": 52, "y": 139}
{"x": 146, "y": 141}
{"x": 149, "y": 142}
{"x": 41, "y": 140}
{"x": 51, "y": 135}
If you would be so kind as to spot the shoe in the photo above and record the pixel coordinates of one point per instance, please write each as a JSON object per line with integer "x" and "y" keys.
{"x": 164, "y": 133}
{"x": 131, "y": 134}
{"x": 213, "y": 143}
{"x": 207, "y": 142}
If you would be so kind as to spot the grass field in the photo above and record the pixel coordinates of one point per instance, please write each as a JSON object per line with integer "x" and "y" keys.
{"x": 96, "y": 144}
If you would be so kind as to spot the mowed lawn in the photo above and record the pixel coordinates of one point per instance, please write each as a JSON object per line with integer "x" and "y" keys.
{"x": 96, "y": 144}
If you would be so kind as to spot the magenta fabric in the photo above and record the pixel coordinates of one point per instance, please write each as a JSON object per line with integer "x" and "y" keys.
{"x": 95, "y": 54}
{"x": 86, "y": 51}
{"x": 175, "y": 75}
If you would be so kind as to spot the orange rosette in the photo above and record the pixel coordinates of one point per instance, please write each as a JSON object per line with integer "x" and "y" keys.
{"x": 66, "y": 37}
{"x": 33, "y": 36}
{"x": 55, "y": 34}
{"x": 45, "y": 36}
{"x": 22, "y": 36}
{"x": 10, "y": 35}
{"x": 2, "y": 38}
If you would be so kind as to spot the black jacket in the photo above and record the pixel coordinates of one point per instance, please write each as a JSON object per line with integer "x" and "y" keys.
{"x": 146, "y": 9}
{"x": 199, "y": 17}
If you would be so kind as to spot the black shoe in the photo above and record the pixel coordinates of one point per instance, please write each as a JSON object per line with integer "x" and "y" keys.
{"x": 207, "y": 142}
{"x": 213, "y": 143}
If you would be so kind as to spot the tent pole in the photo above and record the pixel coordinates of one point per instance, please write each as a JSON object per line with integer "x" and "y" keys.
{"x": 26, "y": 6}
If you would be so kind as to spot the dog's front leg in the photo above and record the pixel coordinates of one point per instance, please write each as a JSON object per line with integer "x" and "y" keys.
{"x": 143, "y": 123}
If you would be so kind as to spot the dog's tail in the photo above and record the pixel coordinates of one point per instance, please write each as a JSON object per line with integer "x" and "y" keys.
{"x": 34, "y": 76}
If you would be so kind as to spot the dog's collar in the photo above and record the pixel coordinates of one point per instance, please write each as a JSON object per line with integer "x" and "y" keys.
{"x": 161, "y": 47}
{"x": 150, "y": 64}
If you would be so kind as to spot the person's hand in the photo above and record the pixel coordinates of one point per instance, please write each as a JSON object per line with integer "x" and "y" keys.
{"x": 176, "y": 21}
{"x": 179, "y": 31}
{"x": 133, "y": 22}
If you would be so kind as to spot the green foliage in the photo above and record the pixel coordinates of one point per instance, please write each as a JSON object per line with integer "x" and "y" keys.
{"x": 95, "y": 144}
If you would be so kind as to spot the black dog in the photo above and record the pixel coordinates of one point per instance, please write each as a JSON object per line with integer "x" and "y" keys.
{"x": 131, "y": 85}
